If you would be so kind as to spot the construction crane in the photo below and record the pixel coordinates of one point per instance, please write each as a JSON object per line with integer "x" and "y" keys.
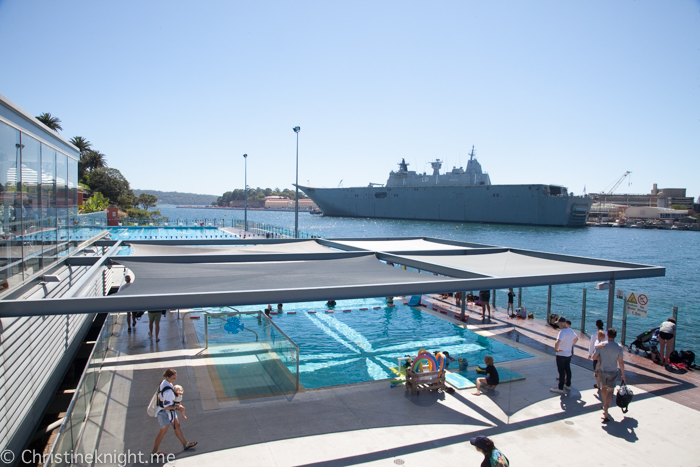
{"x": 617, "y": 183}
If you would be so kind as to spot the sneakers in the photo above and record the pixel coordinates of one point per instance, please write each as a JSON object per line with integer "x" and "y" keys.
{"x": 557, "y": 390}
{"x": 567, "y": 388}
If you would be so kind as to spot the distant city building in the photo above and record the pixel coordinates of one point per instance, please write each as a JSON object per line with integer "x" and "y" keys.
{"x": 646, "y": 212}
{"x": 665, "y": 198}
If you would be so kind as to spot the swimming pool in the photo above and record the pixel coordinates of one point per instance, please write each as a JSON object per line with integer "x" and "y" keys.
{"x": 363, "y": 345}
{"x": 167, "y": 233}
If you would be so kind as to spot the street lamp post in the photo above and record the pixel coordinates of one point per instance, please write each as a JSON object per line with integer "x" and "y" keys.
{"x": 296, "y": 200}
{"x": 245, "y": 189}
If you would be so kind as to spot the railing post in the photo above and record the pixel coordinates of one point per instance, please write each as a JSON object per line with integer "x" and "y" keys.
{"x": 206, "y": 330}
{"x": 675, "y": 318}
{"x": 583, "y": 313}
{"x": 624, "y": 322}
{"x": 520, "y": 297}
{"x": 493, "y": 300}
{"x": 549, "y": 301}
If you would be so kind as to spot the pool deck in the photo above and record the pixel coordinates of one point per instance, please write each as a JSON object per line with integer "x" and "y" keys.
{"x": 374, "y": 424}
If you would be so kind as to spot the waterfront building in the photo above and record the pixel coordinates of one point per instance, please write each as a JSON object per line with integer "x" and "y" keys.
{"x": 38, "y": 225}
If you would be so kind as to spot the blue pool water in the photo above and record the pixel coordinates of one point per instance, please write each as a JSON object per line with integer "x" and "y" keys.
{"x": 344, "y": 348}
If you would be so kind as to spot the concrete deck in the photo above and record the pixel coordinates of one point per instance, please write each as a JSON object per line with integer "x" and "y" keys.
{"x": 374, "y": 424}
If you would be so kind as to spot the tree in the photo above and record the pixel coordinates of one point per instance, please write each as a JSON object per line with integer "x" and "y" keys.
{"x": 678, "y": 206}
{"x": 147, "y": 201}
{"x": 81, "y": 143}
{"x": 93, "y": 159}
{"x": 96, "y": 203}
{"x": 112, "y": 184}
{"x": 52, "y": 122}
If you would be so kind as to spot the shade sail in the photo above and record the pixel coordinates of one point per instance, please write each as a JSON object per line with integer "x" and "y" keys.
{"x": 512, "y": 264}
{"x": 177, "y": 278}
{"x": 417, "y": 244}
{"x": 290, "y": 247}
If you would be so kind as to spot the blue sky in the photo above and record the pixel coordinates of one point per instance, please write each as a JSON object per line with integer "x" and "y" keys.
{"x": 572, "y": 93}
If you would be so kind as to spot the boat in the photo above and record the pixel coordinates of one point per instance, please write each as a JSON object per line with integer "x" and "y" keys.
{"x": 456, "y": 196}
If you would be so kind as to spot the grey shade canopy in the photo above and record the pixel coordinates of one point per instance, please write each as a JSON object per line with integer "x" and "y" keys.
{"x": 278, "y": 271}
{"x": 153, "y": 278}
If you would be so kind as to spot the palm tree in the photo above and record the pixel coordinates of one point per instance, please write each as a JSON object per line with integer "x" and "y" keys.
{"x": 81, "y": 143}
{"x": 93, "y": 160}
{"x": 52, "y": 122}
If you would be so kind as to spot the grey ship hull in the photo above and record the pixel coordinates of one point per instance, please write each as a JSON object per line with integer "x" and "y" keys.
{"x": 498, "y": 204}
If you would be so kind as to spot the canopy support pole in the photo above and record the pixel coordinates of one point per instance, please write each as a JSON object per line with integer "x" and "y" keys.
{"x": 611, "y": 303}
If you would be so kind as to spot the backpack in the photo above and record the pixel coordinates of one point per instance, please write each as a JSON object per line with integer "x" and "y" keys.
{"x": 687, "y": 357}
{"x": 152, "y": 408}
{"x": 624, "y": 397}
{"x": 674, "y": 357}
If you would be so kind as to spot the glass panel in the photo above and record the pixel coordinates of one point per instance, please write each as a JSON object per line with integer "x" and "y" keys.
{"x": 73, "y": 222}
{"x": 62, "y": 202}
{"x": 10, "y": 215}
{"x": 31, "y": 209}
{"x": 48, "y": 203}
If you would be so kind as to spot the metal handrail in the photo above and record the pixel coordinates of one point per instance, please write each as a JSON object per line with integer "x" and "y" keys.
{"x": 260, "y": 315}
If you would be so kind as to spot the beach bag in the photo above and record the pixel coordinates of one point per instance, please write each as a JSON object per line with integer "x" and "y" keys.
{"x": 153, "y": 405}
{"x": 624, "y": 397}
{"x": 687, "y": 357}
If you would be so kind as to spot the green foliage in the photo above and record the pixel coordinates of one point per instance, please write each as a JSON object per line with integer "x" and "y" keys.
{"x": 255, "y": 194}
{"x": 177, "y": 198}
{"x": 146, "y": 201}
{"x": 112, "y": 184}
{"x": 678, "y": 207}
{"x": 136, "y": 213}
{"x": 52, "y": 122}
{"x": 96, "y": 203}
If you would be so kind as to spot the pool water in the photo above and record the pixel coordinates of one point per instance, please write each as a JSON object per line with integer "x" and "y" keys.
{"x": 167, "y": 233}
{"x": 363, "y": 345}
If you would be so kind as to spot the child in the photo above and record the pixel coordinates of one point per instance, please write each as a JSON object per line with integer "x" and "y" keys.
{"x": 179, "y": 391}
{"x": 491, "y": 380}
{"x": 511, "y": 296}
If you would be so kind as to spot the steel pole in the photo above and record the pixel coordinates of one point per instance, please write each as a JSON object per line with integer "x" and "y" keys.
{"x": 624, "y": 322}
{"x": 549, "y": 302}
{"x": 520, "y": 297}
{"x": 463, "y": 307}
{"x": 583, "y": 313}
{"x": 675, "y": 317}
{"x": 245, "y": 189}
{"x": 611, "y": 304}
{"x": 296, "y": 200}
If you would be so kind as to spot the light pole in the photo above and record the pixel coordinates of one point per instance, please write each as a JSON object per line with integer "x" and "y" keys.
{"x": 245, "y": 188}
{"x": 296, "y": 200}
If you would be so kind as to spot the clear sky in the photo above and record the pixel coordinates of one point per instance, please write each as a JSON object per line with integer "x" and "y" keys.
{"x": 174, "y": 92}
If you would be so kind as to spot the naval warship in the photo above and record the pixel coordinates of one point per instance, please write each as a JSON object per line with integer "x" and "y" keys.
{"x": 457, "y": 196}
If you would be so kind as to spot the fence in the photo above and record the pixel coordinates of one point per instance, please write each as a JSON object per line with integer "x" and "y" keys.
{"x": 71, "y": 430}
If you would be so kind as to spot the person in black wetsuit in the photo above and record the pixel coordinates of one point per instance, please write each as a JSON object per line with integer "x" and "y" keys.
{"x": 491, "y": 380}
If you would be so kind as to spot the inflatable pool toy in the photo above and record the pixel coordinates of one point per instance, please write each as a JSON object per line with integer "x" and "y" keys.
{"x": 422, "y": 360}
{"x": 481, "y": 369}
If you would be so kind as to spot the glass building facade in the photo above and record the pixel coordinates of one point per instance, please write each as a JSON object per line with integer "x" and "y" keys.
{"x": 38, "y": 200}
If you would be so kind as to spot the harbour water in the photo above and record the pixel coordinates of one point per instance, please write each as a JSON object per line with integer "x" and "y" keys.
{"x": 677, "y": 251}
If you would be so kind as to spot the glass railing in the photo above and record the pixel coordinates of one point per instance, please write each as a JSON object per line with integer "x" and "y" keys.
{"x": 67, "y": 446}
{"x": 252, "y": 356}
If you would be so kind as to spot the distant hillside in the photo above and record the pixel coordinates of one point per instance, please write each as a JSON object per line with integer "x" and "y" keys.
{"x": 177, "y": 198}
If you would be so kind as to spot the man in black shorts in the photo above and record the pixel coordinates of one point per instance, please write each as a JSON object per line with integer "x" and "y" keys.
{"x": 484, "y": 297}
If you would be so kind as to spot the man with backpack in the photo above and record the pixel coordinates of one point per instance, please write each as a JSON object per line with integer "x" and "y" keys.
{"x": 609, "y": 356}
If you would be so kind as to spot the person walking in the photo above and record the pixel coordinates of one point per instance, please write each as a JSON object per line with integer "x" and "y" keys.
{"x": 167, "y": 415}
{"x": 484, "y": 297}
{"x": 667, "y": 334}
{"x": 131, "y": 315}
{"x": 598, "y": 338}
{"x": 154, "y": 318}
{"x": 492, "y": 456}
{"x": 564, "y": 348}
{"x": 609, "y": 357}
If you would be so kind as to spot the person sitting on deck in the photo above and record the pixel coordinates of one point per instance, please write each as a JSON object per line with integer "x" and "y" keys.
{"x": 491, "y": 380}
